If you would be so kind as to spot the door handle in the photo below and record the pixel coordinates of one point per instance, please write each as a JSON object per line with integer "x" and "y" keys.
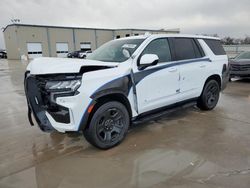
{"x": 202, "y": 66}
{"x": 173, "y": 69}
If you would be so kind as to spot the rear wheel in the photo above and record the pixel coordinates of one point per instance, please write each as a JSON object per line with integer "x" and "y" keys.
{"x": 210, "y": 96}
{"x": 108, "y": 126}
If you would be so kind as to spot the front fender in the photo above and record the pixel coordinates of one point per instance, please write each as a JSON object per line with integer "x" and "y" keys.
{"x": 121, "y": 85}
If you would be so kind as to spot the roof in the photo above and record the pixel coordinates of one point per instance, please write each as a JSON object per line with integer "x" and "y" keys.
{"x": 169, "y": 35}
{"x": 185, "y": 36}
{"x": 65, "y": 27}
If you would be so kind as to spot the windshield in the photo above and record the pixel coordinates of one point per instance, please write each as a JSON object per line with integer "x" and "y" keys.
{"x": 245, "y": 55}
{"x": 113, "y": 51}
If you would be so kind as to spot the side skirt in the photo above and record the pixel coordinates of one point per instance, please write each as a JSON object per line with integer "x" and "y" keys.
{"x": 157, "y": 113}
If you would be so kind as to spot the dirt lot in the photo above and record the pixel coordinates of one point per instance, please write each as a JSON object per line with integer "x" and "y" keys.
{"x": 185, "y": 149}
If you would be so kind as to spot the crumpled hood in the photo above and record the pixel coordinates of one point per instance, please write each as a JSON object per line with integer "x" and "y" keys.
{"x": 48, "y": 65}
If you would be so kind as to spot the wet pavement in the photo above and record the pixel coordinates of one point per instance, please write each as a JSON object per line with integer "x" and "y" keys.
{"x": 188, "y": 148}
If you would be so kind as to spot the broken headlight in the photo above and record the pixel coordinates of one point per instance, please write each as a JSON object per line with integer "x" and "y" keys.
{"x": 63, "y": 85}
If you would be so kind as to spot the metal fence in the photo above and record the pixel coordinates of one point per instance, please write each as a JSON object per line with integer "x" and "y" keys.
{"x": 233, "y": 50}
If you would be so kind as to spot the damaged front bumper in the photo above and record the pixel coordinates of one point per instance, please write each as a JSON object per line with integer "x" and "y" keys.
{"x": 49, "y": 112}
{"x": 36, "y": 104}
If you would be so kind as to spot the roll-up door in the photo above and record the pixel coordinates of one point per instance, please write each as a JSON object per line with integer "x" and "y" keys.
{"x": 85, "y": 46}
{"x": 62, "y": 49}
{"x": 34, "y": 50}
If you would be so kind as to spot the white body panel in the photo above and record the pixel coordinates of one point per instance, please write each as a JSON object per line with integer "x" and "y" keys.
{"x": 78, "y": 104}
{"x": 173, "y": 81}
{"x": 192, "y": 78}
{"x": 49, "y": 65}
{"x": 158, "y": 89}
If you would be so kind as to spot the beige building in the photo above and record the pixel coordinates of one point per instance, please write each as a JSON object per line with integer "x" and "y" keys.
{"x": 51, "y": 41}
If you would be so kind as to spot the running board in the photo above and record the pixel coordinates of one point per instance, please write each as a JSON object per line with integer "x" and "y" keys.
{"x": 153, "y": 115}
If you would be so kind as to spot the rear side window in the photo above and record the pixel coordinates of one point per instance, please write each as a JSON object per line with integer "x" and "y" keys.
{"x": 161, "y": 48}
{"x": 186, "y": 48}
{"x": 215, "y": 46}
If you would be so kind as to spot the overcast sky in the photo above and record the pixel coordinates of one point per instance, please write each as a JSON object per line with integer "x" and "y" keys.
{"x": 224, "y": 17}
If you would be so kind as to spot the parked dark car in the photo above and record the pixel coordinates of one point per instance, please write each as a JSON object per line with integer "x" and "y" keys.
{"x": 78, "y": 54}
{"x": 240, "y": 66}
{"x": 3, "y": 54}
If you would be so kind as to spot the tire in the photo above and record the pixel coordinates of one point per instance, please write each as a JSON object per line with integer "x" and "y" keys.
{"x": 209, "y": 96}
{"x": 108, "y": 125}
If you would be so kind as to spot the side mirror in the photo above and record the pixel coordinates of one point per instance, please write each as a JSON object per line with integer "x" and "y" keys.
{"x": 148, "y": 60}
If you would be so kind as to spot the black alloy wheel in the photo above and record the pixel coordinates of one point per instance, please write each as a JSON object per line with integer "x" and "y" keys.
{"x": 210, "y": 96}
{"x": 108, "y": 125}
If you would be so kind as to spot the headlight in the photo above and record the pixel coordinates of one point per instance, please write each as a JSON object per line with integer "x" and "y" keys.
{"x": 63, "y": 85}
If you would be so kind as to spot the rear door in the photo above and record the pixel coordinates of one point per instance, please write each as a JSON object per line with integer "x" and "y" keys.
{"x": 192, "y": 66}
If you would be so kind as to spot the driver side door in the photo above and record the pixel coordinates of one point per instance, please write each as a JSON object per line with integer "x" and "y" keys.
{"x": 157, "y": 85}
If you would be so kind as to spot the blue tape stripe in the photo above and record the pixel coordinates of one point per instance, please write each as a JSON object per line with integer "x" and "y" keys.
{"x": 142, "y": 74}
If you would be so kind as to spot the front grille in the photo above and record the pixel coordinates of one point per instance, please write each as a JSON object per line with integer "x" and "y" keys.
{"x": 240, "y": 67}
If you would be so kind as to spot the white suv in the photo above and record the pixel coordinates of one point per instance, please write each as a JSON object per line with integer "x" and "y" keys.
{"x": 125, "y": 81}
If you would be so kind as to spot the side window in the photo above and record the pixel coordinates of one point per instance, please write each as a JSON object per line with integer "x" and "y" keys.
{"x": 198, "y": 49}
{"x": 159, "y": 47}
{"x": 215, "y": 46}
{"x": 186, "y": 48}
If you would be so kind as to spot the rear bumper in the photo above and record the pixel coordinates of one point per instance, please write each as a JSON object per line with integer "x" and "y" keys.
{"x": 225, "y": 77}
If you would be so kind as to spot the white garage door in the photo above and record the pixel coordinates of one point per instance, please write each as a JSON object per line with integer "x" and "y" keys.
{"x": 85, "y": 46}
{"x": 62, "y": 49}
{"x": 34, "y": 50}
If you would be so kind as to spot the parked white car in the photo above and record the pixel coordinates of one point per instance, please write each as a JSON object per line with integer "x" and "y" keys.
{"x": 125, "y": 81}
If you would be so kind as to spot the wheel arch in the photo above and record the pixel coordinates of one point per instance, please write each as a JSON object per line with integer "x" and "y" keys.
{"x": 119, "y": 97}
{"x": 97, "y": 102}
{"x": 215, "y": 77}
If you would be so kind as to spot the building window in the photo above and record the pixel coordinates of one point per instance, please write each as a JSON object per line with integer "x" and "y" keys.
{"x": 127, "y": 35}
{"x": 118, "y": 36}
{"x": 85, "y": 46}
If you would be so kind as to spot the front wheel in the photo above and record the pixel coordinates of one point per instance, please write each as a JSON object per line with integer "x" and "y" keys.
{"x": 108, "y": 126}
{"x": 210, "y": 96}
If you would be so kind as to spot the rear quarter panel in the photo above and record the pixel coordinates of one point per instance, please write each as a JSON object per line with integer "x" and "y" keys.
{"x": 215, "y": 67}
